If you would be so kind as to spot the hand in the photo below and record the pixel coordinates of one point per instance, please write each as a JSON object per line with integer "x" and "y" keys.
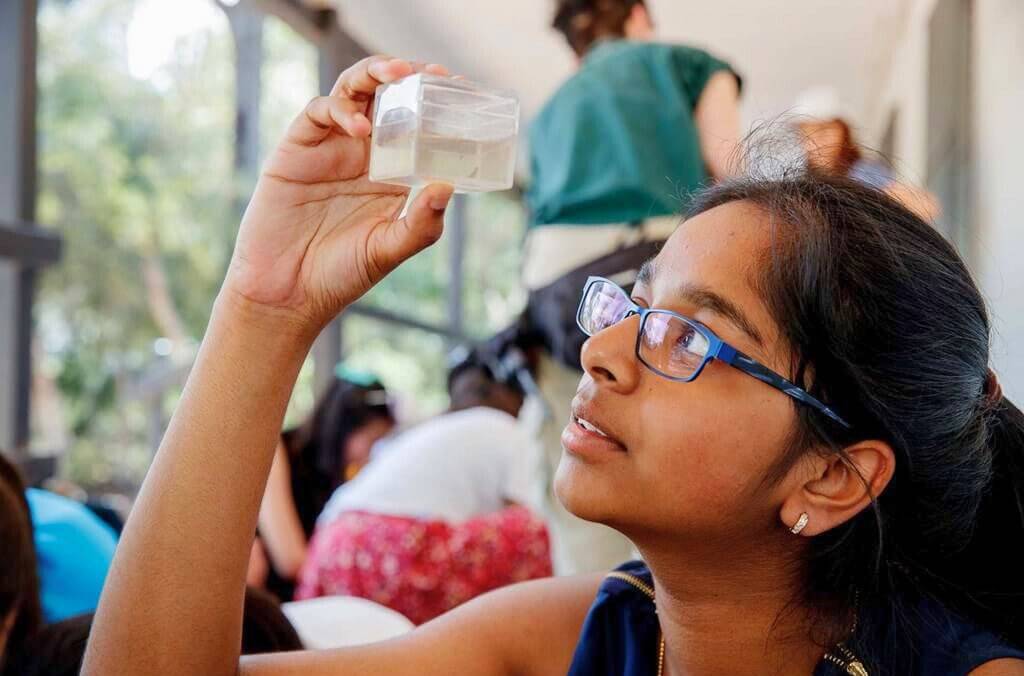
{"x": 317, "y": 233}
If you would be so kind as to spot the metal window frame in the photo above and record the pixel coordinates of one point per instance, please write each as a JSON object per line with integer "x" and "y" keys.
{"x": 24, "y": 247}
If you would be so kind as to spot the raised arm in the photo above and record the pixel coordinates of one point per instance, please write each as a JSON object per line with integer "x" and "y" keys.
{"x": 316, "y": 236}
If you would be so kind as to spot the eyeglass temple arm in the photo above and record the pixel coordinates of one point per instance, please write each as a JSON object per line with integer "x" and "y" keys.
{"x": 730, "y": 355}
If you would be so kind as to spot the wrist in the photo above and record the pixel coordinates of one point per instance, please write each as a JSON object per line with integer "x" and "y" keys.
{"x": 282, "y": 327}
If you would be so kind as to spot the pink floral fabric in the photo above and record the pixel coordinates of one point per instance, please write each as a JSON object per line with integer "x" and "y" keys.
{"x": 422, "y": 568}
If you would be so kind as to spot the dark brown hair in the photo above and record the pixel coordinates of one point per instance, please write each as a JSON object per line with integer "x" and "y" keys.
{"x": 584, "y": 22}
{"x": 316, "y": 448}
{"x": 19, "y": 581}
{"x": 887, "y": 326}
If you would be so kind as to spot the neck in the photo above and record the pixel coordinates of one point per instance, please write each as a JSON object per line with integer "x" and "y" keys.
{"x": 734, "y": 619}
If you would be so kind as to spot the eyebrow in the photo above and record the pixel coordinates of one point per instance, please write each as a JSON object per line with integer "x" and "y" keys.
{"x": 704, "y": 298}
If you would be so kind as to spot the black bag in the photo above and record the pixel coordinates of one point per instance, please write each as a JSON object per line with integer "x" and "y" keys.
{"x": 551, "y": 310}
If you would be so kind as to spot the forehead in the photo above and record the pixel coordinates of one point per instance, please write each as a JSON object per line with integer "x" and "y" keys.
{"x": 722, "y": 249}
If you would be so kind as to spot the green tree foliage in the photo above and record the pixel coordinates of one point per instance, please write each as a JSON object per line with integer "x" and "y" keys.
{"x": 134, "y": 175}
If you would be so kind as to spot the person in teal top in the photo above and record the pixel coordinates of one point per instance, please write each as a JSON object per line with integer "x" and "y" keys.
{"x": 638, "y": 128}
{"x": 74, "y": 549}
{"x": 619, "y": 141}
{"x": 614, "y": 155}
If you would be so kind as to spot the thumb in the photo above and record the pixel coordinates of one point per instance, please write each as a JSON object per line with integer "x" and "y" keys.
{"x": 422, "y": 225}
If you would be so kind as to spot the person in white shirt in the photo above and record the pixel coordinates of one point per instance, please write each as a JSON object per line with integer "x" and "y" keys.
{"x": 438, "y": 516}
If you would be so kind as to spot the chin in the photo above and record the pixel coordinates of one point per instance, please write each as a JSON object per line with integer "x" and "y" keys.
{"x": 588, "y": 492}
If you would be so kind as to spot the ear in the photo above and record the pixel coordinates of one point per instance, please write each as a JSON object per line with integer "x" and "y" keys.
{"x": 835, "y": 489}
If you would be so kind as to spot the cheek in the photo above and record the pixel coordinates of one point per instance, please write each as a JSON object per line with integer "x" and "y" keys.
{"x": 708, "y": 456}
{"x": 357, "y": 450}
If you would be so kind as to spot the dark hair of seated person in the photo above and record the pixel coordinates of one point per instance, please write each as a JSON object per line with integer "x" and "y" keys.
{"x": 19, "y": 581}
{"x": 265, "y": 629}
{"x": 315, "y": 447}
{"x": 58, "y": 649}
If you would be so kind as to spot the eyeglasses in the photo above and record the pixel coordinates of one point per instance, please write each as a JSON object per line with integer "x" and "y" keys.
{"x": 674, "y": 346}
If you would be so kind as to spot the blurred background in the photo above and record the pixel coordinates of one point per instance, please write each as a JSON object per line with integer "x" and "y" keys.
{"x": 132, "y": 132}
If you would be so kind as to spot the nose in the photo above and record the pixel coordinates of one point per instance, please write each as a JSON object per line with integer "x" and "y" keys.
{"x": 609, "y": 356}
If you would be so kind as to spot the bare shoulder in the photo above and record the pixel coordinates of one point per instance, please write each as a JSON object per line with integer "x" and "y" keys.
{"x": 1004, "y": 667}
{"x": 528, "y": 629}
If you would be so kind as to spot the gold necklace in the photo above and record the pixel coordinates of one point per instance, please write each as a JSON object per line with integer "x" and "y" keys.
{"x": 846, "y": 659}
{"x": 648, "y": 591}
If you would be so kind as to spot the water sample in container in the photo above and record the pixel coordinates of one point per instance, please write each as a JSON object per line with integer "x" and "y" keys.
{"x": 430, "y": 128}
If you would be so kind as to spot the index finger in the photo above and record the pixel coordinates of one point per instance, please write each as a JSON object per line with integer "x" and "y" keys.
{"x": 359, "y": 82}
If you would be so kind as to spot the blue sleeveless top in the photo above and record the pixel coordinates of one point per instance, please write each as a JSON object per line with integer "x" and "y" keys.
{"x": 621, "y": 637}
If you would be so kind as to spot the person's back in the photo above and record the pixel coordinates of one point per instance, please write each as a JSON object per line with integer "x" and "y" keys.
{"x": 452, "y": 467}
{"x": 625, "y": 140}
{"x": 618, "y": 142}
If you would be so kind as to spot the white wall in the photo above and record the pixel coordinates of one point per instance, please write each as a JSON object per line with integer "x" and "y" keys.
{"x": 996, "y": 249}
{"x": 999, "y": 139}
{"x": 904, "y": 87}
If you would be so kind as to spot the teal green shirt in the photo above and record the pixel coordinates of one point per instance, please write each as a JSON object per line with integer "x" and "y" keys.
{"x": 617, "y": 142}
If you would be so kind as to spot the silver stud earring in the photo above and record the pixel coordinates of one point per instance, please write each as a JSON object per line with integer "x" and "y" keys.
{"x": 800, "y": 523}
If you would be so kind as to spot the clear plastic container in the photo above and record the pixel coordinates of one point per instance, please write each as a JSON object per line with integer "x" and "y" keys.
{"x": 429, "y": 128}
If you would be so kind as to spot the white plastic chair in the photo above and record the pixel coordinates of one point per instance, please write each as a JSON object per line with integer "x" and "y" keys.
{"x": 338, "y": 621}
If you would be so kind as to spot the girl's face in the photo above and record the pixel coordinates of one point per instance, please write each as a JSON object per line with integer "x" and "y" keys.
{"x": 685, "y": 459}
{"x": 361, "y": 441}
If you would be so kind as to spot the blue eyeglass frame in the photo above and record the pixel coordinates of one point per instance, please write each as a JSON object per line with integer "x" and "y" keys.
{"x": 717, "y": 349}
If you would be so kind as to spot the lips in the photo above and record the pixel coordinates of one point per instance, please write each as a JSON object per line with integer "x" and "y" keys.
{"x": 588, "y": 432}
{"x": 590, "y": 427}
